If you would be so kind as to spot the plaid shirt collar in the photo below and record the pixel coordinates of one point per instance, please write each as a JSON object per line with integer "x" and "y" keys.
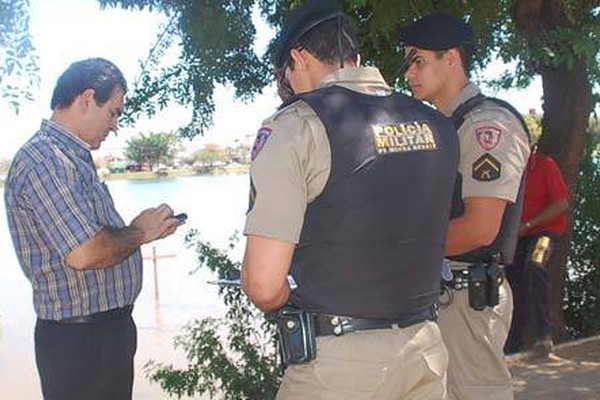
{"x": 67, "y": 139}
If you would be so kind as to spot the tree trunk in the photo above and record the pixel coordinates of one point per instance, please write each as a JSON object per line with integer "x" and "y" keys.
{"x": 567, "y": 105}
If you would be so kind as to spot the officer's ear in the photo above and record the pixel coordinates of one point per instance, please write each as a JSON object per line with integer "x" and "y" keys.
{"x": 453, "y": 57}
{"x": 299, "y": 57}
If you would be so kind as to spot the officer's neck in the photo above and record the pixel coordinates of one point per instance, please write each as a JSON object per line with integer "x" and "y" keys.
{"x": 325, "y": 69}
{"x": 452, "y": 88}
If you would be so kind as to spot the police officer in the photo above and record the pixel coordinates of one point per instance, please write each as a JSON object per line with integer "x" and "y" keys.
{"x": 494, "y": 151}
{"x": 351, "y": 186}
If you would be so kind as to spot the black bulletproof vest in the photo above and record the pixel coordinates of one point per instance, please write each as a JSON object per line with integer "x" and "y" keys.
{"x": 505, "y": 243}
{"x": 373, "y": 240}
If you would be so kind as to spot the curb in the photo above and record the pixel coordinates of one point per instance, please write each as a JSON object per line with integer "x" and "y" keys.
{"x": 528, "y": 355}
{"x": 565, "y": 345}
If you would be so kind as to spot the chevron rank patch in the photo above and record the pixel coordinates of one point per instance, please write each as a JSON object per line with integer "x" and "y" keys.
{"x": 487, "y": 168}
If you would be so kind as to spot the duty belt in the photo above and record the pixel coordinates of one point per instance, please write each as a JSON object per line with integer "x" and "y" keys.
{"x": 460, "y": 276}
{"x": 326, "y": 324}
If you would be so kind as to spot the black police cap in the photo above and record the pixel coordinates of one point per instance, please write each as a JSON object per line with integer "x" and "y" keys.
{"x": 437, "y": 31}
{"x": 299, "y": 22}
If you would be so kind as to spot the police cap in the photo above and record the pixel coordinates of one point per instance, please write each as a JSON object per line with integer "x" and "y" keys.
{"x": 437, "y": 31}
{"x": 300, "y": 21}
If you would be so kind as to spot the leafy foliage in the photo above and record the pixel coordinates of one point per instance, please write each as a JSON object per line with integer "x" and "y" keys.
{"x": 18, "y": 61}
{"x": 232, "y": 358}
{"x": 210, "y": 155}
{"x": 152, "y": 148}
{"x": 582, "y": 286}
{"x": 217, "y": 38}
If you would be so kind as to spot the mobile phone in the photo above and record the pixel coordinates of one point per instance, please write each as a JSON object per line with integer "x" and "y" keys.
{"x": 182, "y": 217}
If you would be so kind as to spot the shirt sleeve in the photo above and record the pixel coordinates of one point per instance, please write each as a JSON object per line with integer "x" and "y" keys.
{"x": 61, "y": 207}
{"x": 557, "y": 188}
{"x": 289, "y": 169}
{"x": 494, "y": 151}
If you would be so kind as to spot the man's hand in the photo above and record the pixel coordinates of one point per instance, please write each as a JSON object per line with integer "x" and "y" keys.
{"x": 156, "y": 223}
{"x": 113, "y": 245}
{"x": 551, "y": 211}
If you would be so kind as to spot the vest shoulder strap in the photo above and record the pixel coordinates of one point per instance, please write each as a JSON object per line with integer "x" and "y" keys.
{"x": 458, "y": 116}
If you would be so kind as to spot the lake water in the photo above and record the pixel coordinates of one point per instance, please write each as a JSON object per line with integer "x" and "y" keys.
{"x": 216, "y": 206}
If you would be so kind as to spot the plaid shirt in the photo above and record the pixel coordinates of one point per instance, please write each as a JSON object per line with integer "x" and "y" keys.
{"x": 55, "y": 203}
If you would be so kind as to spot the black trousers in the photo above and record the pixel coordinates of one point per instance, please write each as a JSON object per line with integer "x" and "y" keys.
{"x": 530, "y": 284}
{"x": 86, "y": 361}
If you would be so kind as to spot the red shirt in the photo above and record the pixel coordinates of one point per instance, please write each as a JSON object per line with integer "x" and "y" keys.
{"x": 544, "y": 184}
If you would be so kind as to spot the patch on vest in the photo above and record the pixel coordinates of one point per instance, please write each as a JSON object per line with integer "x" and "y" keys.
{"x": 261, "y": 138}
{"x": 488, "y": 137}
{"x": 486, "y": 168}
{"x": 403, "y": 137}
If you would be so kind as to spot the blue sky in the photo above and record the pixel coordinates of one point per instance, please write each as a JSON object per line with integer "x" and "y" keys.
{"x": 67, "y": 30}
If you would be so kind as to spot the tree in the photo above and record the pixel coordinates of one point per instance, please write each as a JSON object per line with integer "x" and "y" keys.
{"x": 18, "y": 61}
{"x": 152, "y": 149}
{"x": 217, "y": 40}
{"x": 211, "y": 155}
{"x": 245, "y": 368}
{"x": 581, "y": 301}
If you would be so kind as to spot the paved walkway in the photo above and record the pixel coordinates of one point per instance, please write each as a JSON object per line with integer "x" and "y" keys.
{"x": 572, "y": 372}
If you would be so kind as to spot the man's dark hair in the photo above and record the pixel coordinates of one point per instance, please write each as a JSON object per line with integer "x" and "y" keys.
{"x": 94, "y": 73}
{"x": 332, "y": 41}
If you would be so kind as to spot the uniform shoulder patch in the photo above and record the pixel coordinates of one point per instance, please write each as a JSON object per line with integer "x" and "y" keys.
{"x": 488, "y": 137}
{"x": 261, "y": 138}
{"x": 487, "y": 168}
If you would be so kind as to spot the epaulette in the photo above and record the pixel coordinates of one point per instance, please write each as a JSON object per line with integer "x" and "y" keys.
{"x": 291, "y": 105}
{"x": 458, "y": 116}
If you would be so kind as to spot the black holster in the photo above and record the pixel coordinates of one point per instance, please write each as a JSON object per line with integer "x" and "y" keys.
{"x": 295, "y": 335}
{"x": 478, "y": 297}
{"x": 484, "y": 285}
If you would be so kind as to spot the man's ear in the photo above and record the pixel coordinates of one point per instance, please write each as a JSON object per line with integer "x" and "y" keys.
{"x": 87, "y": 98}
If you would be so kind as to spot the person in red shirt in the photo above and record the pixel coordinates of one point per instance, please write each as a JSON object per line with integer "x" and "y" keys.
{"x": 543, "y": 222}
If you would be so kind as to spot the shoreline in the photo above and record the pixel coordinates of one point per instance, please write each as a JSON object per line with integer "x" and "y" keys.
{"x": 176, "y": 173}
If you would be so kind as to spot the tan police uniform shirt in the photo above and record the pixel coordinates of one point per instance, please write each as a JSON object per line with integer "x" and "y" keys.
{"x": 292, "y": 160}
{"x": 494, "y": 149}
